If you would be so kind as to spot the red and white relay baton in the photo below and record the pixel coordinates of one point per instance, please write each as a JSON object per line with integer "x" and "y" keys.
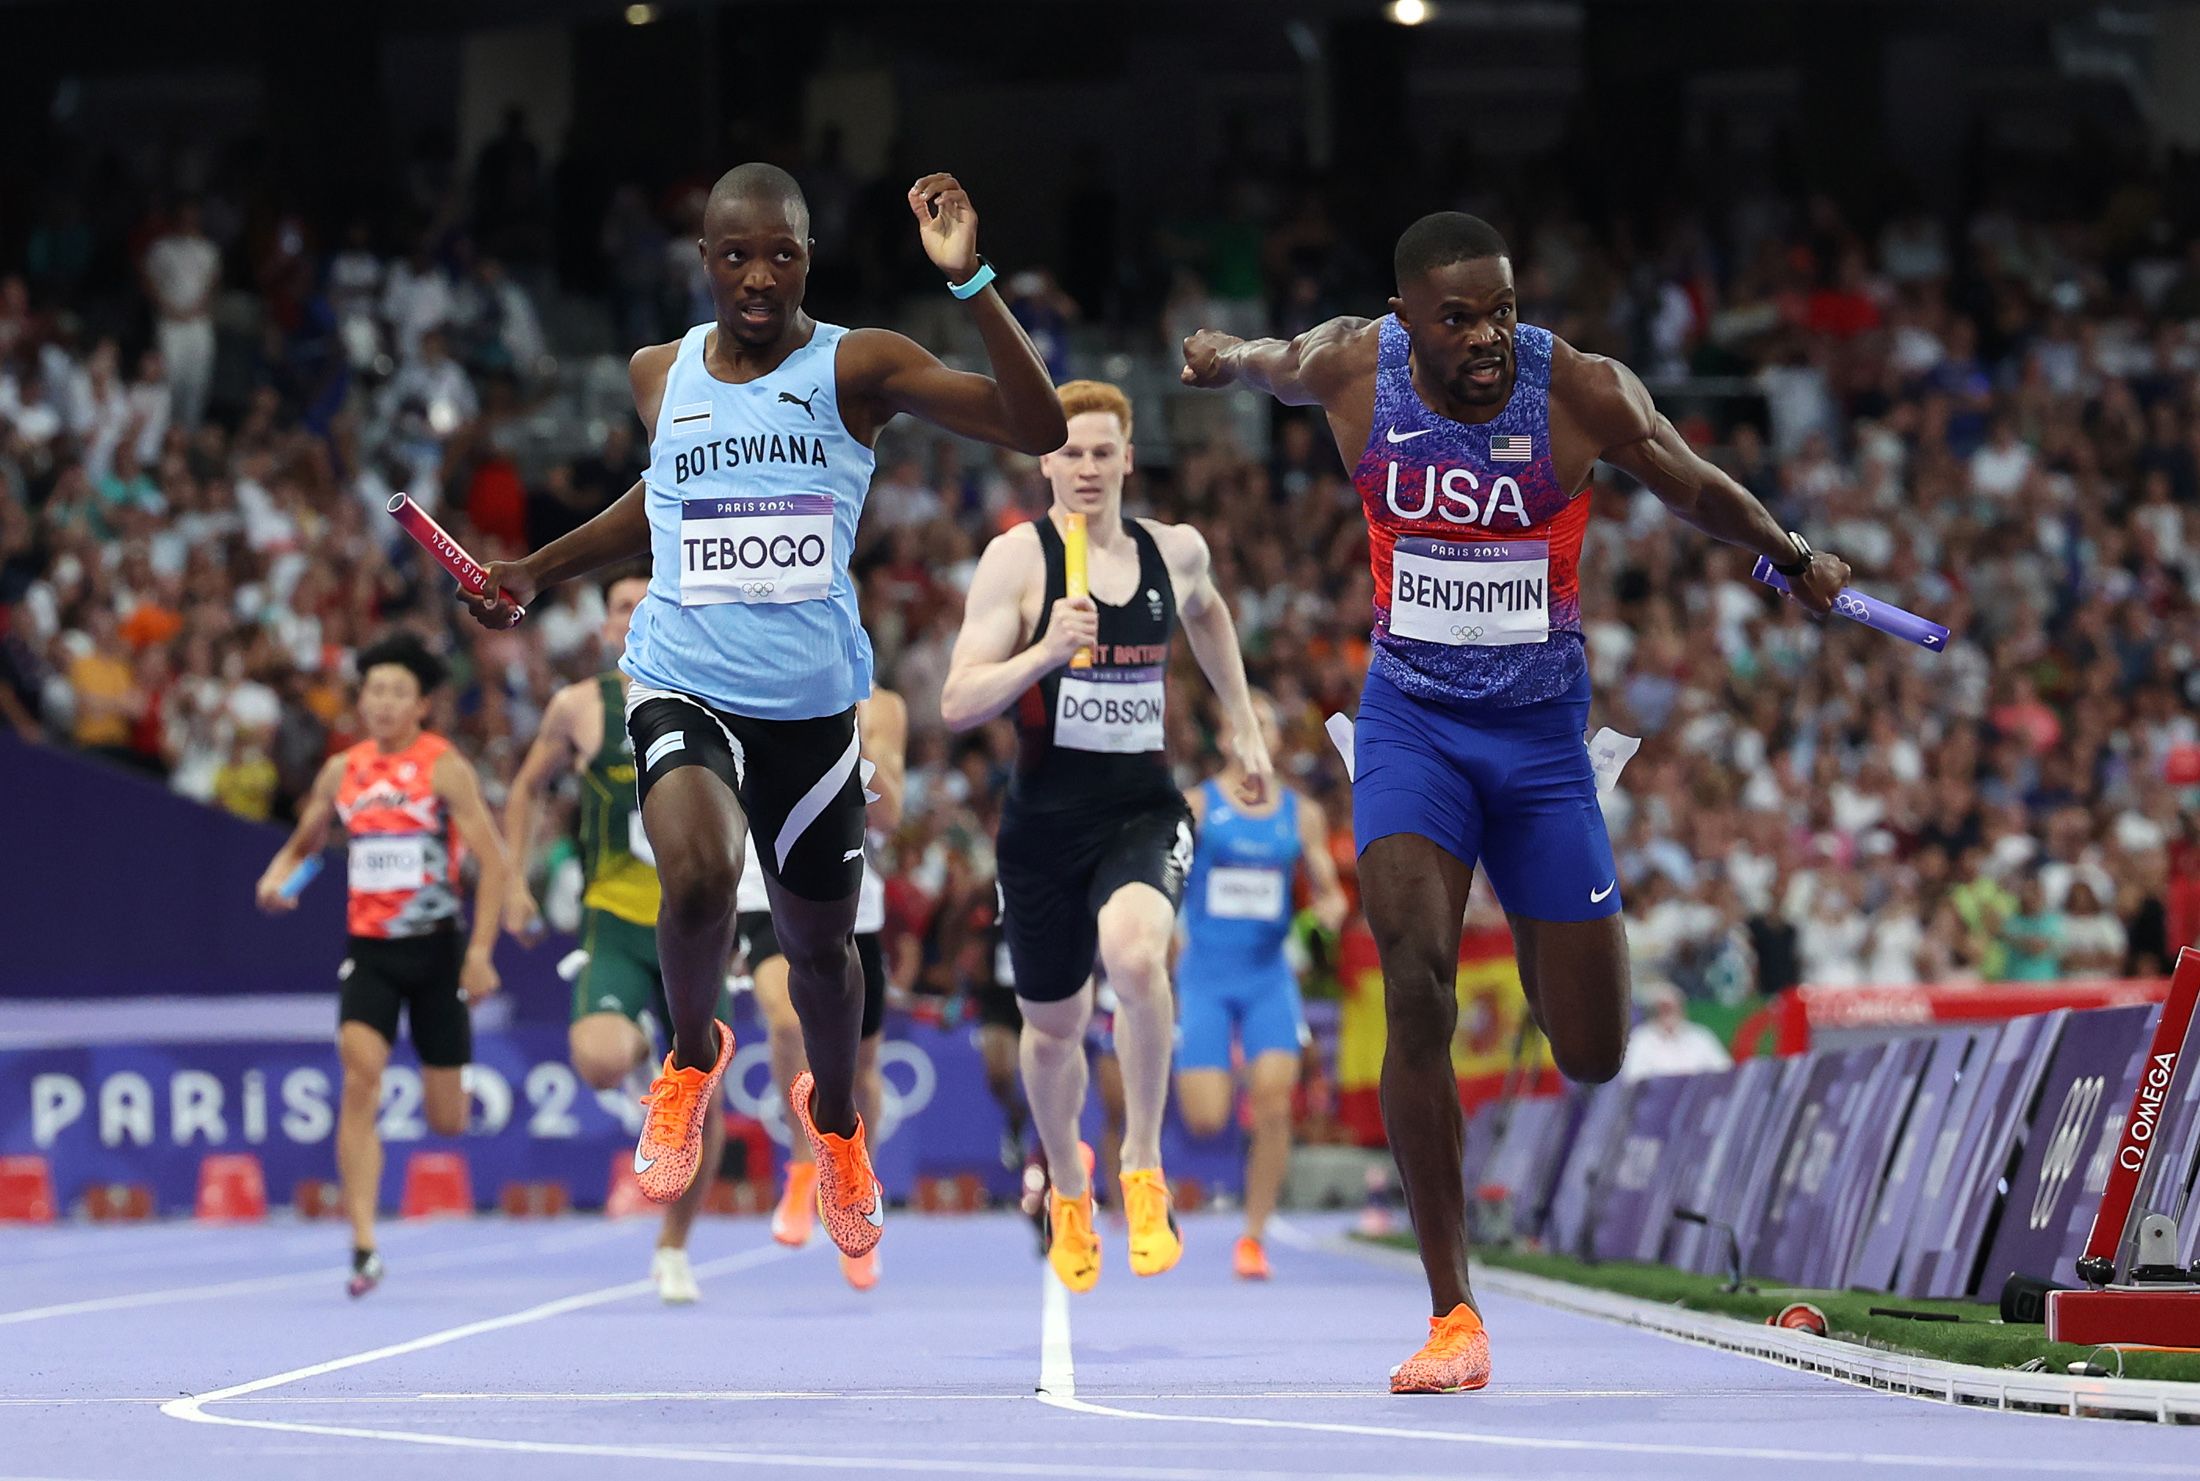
{"x": 464, "y": 569}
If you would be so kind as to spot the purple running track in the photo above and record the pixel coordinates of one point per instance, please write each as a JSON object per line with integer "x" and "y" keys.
{"x": 531, "y": 1350}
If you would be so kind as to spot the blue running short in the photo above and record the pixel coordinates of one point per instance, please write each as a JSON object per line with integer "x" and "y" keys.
{"x": 1260, "y": 1007}
{"x": 1509, "y": 787}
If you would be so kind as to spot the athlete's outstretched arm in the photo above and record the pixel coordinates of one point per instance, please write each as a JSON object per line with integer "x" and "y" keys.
{"x": 987, "y": 674}
{"x": 1014, "y": 407}
{"x": 884, "y": 721}
{"x": 1632, "y": 435}
{"x": 306, "y": 839}
{"x": 1298, "y": 372}
{"x": 620, "y": 533}
{"x": 1212, "y": 633}
{"x": 457, "y": 785}
{"x": 551, "y": 755}
{"x": 1330, "y": 906}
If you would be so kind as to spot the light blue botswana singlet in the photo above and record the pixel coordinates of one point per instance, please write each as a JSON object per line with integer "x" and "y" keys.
{"x": 753, "y": 494}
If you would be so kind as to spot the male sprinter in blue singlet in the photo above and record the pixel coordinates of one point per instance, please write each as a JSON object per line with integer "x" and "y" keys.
{"x": 747, "y": 655}
{"x": 1233, "y": 978}
{"x": 1471, "y": 438}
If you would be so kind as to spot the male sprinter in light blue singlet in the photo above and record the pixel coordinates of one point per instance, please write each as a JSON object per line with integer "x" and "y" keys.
{"x": 1234, "y": 979}
{"x": 1471, "y": 438}
{"x": 747, "y": 655}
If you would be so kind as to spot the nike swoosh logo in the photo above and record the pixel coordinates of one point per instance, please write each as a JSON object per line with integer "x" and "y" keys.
{"x": 877, "y": 1216}
{"x": 640, "y": 1166}
{"x": 1598, "y": 897}
{"x": 1394, "y": 435}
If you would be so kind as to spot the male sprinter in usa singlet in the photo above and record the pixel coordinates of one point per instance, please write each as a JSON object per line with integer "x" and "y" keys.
{"x": 1095, "y": 838}
{"x": 1471, "y": 438}
{"x": 407, "y": 800}
{"x": 747, "y": 655}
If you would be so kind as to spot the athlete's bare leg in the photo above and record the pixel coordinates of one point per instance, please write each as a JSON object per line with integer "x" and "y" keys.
{"x": 785, "y": 1029}
{"x": 1415, "y": 896}
{"x": 998, "y": 1047}
{"x": 695, "y": 829}
{"x": 1274, "y": 1075}
{"x": 608, "y": 1047}
{"x": 1107, "y": 1074}
{"x": 365, "y": 1054}
{"x": 825, "y": 983}
{"x": 1055, "y": 1080}
{"x": 1578, "y": 985}
{"x": 1135, "y": 927}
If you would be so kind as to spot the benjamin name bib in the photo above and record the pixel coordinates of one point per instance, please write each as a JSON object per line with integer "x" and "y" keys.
{"x": 770, "y": 548}
{"x": 1485, "y": 593}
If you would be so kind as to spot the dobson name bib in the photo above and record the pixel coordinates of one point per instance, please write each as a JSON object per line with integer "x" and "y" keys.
{"x": 379, "y": 865}
{"x": 1489, "y": 594}
{"x": 1116, "y": 710}
{"x": 772, "y": 548}
{"x": 1235, "y": 892}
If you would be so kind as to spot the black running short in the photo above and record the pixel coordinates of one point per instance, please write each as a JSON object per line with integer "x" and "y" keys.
{"x": 798, "y": 782}
{"x": 1056, "y": 871}
{"x": 418, "y": 975}
{"x": 760, "y": 943}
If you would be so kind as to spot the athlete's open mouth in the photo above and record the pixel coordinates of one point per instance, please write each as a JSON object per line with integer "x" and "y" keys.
{"x": 1485, "y": 372}
{"x": 759, "y": 311}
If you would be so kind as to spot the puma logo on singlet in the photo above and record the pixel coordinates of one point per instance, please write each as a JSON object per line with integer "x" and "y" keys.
{"x": 793, "y": 400}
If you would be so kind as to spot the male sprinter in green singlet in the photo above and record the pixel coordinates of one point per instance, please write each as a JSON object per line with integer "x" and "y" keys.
{"x": 584, "y": 732}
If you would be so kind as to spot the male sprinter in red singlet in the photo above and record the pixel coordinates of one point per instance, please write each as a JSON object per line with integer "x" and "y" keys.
{"x": 1095, "y": 838}
{"x": 1471, "y": 438}
{"x": 407, "y": 801}
{"x": 748, "y": 654}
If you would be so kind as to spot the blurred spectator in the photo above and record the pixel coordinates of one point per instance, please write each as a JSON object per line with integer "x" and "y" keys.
{"x": 182, "y": 269}
{"x": 2032, "y": 937}
{"x": 1665, "y": 1042}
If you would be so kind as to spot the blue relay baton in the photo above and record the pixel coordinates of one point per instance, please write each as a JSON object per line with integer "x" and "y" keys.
{"x": 300, "y": 877}
{"x": 1871, "y": 611}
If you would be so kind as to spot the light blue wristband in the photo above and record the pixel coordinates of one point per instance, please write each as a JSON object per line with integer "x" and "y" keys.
{"x": 977, "y": 283}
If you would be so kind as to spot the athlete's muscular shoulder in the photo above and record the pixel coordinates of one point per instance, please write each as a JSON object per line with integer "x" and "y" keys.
{"x": 866, "y": 364}
{"x": 1183, "y": 549}
{"x": 647, "y": 371}
{"x": 1338, "y": 356}
{"x": 1597, "y": 404}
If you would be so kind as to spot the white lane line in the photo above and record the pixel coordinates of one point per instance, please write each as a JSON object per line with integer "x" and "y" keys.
{"x": 193, "y": 1407}
{"x": 1846, "y": 1459}
{"x": 1057, "y": 1372}
{"x": 173, "y": 1295}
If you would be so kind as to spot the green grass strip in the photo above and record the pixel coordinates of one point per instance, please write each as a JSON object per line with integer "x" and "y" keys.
{"x": 1978, "y": 1336}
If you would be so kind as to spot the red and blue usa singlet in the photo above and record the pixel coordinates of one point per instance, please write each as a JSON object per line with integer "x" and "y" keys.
{"x": 1475, "y": 545}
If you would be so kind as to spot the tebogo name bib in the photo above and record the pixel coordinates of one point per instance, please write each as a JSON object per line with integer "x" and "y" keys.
{"x": 1113, "y": 710}
{"x": 1235, "y": 892}
{"x": 379, "y": 865}
{"x": 1491, "y": 594}
{"x": 772, "y": 548}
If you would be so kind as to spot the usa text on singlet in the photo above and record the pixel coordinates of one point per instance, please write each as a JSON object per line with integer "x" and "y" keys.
{"x": 1475, "y": 547}
{"x": 753, "y": 495}
{"x": 1097, "y": 735}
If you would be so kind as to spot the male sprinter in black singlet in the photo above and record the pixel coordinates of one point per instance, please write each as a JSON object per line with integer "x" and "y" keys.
{"x": 1095, "y": 838}
{"x": 1471, "y": 438}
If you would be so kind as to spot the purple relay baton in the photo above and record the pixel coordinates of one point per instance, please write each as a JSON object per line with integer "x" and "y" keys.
{"x": 1871, "y": 611}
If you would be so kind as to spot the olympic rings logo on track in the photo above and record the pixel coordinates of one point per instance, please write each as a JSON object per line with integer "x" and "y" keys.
{"x": 907, "y": 1083}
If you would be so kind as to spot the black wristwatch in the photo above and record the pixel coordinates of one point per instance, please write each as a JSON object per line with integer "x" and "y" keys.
{"x": 1801, "y": 563}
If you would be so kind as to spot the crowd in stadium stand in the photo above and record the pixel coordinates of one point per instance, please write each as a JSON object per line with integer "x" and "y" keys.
{"x": 1996, "y": 420}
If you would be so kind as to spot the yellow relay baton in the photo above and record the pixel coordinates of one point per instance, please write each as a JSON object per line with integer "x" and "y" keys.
{"x": 1073, "y": 574}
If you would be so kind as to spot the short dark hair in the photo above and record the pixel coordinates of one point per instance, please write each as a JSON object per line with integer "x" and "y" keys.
{"x": 1442, "y": 238}
{"x": 409, "y": 654}
{"x": 634, "y": 570}
{"x": 757, "y": 181}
